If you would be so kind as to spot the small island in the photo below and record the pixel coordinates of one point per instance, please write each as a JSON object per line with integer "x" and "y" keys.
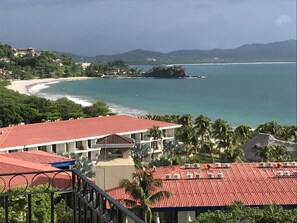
{"x": 166, "y": 71}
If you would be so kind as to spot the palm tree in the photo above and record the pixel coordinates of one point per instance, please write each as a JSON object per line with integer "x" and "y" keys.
{"x": 223, "y": 133}
{"x": 232, "y": 154}
{"x": 269, "y": 127}
{"x": 202, "y": 126}
{"x": 156, "y": 134}
{"x": 208, "y": 148}
{"x": 139, "y": 152}
{"x": 264, "y": 152}
{"x": 242, "y": 133}
{"x": 185, "y": 120}
{"x": 186, "y": 134}
{"x": 281, "y": 153}
{"x": 144, "y": 191}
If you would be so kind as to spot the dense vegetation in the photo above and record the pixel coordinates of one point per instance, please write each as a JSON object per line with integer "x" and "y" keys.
{"x": 17, "y": 108}
{"x": 112, "y": 69}
{"x": 45, "y": 64}
{"x": 204, "y": 140}
{"x": 238, "y": 213}
{"x": 172, "y": 71}
{"x": 38, "y": 65}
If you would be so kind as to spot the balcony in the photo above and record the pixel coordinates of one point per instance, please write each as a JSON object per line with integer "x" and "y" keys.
{"x": 83, "y": 201}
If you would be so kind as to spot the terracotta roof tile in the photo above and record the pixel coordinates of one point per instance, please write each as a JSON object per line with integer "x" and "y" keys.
{"x": 36, "y": 157}
{"x": 41, "y": 133}
{"x": 246, "y": 182}
{"x": 14, "y": 166}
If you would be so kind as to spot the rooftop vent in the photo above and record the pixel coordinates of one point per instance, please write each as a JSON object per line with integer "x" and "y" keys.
{"x": 167, "y": 176}
{"x": 279, "y": 173}
{"x": 187, "y": 165}
{"x": 189, "y": 175}
{"x": 220, "y": 175}
{"x": 286, "y": 163}
{"x": 210, "y": 175}
{"x": 217, "y": 165}
{"x": 1, "y": 132}
{"x": 198, "y": 175}
{"x": 176, "y": 176}
{"x": 227, "y": 165}
{"x": 270, "y": 165}
{"x": 287, "y": 173}
{"x": 196, "y": 165}
{"x": 262, "y": 164}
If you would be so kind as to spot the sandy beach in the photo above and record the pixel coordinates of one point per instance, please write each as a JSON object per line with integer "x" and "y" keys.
{"x": 23, "y": 86}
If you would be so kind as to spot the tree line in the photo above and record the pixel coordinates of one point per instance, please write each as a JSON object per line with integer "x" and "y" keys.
{"x": 45, "y": 64}
{"x": 202, "y": 140}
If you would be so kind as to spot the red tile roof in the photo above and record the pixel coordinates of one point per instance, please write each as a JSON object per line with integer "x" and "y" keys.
{"x": 40, "y": 133}
{"x": 9, "y": 165}
{"x": 245, "y": 182}
{"x": 36, "y": 157}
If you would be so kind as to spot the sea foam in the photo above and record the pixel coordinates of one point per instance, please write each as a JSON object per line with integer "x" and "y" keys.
{"x": 80, "y": 101}
{"x": 38, "y": 87}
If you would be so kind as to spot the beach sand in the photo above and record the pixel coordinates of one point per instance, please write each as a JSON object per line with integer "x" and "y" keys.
{"x": 23, "y": 86}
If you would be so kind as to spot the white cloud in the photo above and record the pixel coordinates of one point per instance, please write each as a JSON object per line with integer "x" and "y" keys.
{"x": 282, "y": 19}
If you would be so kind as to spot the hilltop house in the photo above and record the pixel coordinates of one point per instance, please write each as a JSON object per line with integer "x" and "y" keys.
{"x": 80, "y": 135}
{"x": 200, "y": 187}
{"x": 24, "y": 51}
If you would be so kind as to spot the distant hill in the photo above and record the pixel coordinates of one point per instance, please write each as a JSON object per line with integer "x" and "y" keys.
{"x": 284, "y": 51}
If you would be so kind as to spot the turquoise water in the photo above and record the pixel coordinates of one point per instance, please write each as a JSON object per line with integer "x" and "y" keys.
{"x": 239, "y": 93}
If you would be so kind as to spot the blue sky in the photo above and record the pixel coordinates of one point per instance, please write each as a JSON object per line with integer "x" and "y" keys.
{"x": 92, "y": 27}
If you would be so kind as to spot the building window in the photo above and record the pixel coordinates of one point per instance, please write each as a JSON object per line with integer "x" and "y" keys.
{"x": 79, "y": 145}
{"x": 42, "y": 148}
{"x": 89, "y": 143}
{"x": 54, "y": 148}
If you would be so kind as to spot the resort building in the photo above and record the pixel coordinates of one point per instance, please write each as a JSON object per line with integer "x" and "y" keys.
{"x": 24, "y": 51}
{"x": 200, "y": 187}
{"x": 80, "y": 136}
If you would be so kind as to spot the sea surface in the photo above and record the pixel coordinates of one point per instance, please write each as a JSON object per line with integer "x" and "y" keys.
{"x": 249, "y": 94}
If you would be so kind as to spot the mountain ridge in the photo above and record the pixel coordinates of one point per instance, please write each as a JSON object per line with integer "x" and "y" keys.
{"x": 281, "y": 51}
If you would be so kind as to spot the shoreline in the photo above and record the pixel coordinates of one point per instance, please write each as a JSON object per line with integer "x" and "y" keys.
{"x": 24, "y": 86}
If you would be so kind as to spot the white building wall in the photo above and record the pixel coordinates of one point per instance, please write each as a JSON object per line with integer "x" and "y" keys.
{"x": 61, "y": 148}
{"x": 33, "y": 149}
{"x": 49, "y": 148}
{"x": 71, "y": 147}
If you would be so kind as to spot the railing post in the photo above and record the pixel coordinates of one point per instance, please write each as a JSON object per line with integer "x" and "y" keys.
{"x": 52, "y": 208}
{"x": 73, "y": 197}
{"x": 6, "y": 208}
{"x": 29, "y": 208}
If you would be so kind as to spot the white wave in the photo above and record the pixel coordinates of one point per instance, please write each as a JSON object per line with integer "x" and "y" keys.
{"x": 79, "y": 101}
{"x": 38, "y": 87}
{"x": 122, "y": 110}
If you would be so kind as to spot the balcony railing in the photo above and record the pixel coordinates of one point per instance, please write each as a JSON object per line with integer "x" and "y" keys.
{"x": 85, "y": 201}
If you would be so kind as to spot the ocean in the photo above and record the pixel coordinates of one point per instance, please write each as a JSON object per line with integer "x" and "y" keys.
{"x": 249, "y": 94}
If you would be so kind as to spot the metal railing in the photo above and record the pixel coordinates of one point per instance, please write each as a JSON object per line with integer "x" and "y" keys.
{"x": 85, "y": 201}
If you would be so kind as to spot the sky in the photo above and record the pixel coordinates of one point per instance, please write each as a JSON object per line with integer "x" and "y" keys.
{"x": 96, "y": 27}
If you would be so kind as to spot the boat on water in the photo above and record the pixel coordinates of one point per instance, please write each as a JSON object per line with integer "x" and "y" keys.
{"x": 197, "y": 76}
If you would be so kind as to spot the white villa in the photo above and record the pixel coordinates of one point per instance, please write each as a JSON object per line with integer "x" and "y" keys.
{"x": 80, "y": 135}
